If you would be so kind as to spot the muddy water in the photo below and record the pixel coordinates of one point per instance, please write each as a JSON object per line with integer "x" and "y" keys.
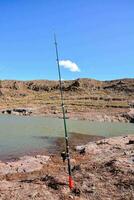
{"x": 26, "y": 135}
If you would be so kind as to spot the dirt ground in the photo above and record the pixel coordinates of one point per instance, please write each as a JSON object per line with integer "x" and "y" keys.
{"x": 102, "y": 169}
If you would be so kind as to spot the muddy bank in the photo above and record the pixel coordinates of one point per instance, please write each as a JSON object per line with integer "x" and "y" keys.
{"x": 104, "y": 170}
{"x": 55, "y": 146}
{"x": 58, "y": 143}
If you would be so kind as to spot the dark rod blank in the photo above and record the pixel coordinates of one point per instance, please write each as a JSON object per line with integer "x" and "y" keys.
{"x": 64, "y": 117}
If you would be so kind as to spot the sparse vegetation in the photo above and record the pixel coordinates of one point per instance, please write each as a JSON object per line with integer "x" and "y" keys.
{"x": 81, "y": 96}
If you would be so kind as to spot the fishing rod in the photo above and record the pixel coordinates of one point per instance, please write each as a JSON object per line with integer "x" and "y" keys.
{"x": 64, "y": 117}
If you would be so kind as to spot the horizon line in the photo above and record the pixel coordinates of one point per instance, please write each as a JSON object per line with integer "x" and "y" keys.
{"x": 24, "y": 80}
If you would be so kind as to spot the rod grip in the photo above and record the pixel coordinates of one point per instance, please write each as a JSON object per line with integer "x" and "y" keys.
{"x": 71, "y": 183}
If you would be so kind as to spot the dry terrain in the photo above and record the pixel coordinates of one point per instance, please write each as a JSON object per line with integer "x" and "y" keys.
{"x": 84, "y": 98}
{"x": 101, "y": 170}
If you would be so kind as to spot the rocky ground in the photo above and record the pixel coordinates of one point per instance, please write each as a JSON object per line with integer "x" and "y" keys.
{"x": 84, "y": 99}
{"x": 103, "y": 169}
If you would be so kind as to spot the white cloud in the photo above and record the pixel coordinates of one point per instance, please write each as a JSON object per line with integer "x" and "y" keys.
{"x": 73, "y": 67}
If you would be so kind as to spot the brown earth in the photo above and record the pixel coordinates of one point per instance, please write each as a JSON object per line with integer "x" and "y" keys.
{"x": 101, "y": 170}
{"x": 84, "y": 98}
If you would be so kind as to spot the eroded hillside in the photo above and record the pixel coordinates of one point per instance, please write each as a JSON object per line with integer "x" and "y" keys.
{"x": 82, "y": 96}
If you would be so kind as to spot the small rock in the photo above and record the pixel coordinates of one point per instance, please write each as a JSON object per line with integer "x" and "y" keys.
{"x": 130, "y": 142}
{"x": 76, "y": 191}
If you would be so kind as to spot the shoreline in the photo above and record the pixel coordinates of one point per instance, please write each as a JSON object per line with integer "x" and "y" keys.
{"x": 104, "y": 170}
{"x": 51, "y": 144}
{"x": 92, "y": 116}
{"x": 55, "y": 148}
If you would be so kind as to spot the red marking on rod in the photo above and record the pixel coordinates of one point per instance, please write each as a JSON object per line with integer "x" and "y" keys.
{"x": 71, "y": 183}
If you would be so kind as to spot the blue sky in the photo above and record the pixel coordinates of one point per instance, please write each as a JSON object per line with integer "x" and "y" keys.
{"x": 97, "y": 35}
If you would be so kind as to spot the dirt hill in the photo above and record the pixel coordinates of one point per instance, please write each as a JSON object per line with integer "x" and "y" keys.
{"x": 82, "y": 96}
{"x": 124, "y": 85}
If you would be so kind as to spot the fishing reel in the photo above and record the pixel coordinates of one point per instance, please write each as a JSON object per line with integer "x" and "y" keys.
{"x": 63, "y": 155}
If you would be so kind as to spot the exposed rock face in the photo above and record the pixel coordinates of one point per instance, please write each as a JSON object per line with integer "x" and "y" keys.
{"x": 75, "y": 85}
{"x": 126, "y": 85}
{"x": 129, "y": 115}
{"x": 35, "y": 86}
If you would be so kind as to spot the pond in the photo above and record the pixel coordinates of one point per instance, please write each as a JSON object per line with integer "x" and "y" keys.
{"x": 20, "y": 135}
